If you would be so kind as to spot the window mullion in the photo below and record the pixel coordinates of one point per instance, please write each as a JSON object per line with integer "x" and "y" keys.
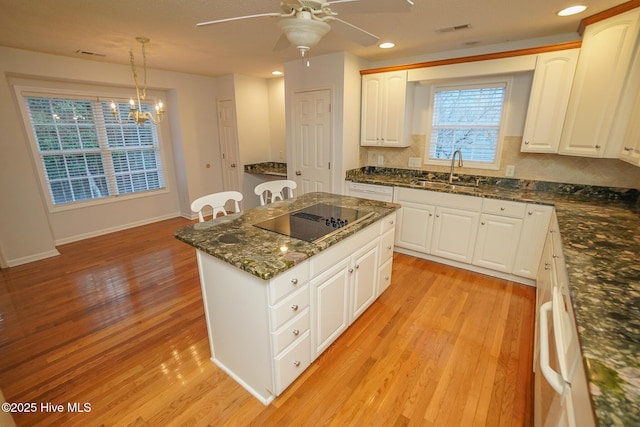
{"x": 105, "y": 150}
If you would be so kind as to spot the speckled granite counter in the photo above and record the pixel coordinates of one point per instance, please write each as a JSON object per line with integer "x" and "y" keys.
{"x": 266, "y": 254}
{"x": 267, "y": 168}
{"x": 600, "y": 230}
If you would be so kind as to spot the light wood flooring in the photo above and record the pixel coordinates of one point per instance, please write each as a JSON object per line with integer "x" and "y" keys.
{"x": 117, "y": 322}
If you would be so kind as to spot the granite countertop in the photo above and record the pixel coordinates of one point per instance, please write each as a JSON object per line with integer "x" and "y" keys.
{"x": 600, "y": 229}
{"x": 265, "y": 254}
{"x": 267, "y": 168}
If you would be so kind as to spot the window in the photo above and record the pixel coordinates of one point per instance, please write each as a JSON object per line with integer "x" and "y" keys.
{"x": 467, "y": 118}
{"x": 86, "y": 154}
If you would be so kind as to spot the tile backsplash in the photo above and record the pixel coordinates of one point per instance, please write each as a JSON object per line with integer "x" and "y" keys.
{"x": 535, "y": 166}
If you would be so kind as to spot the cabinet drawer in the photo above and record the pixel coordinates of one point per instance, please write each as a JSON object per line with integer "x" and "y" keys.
{"x": 292, "y": 362}
{"x": 386, "y": 246}
{"x": 290, "y": 332}
{"x": 288, "y": 281}
{"x": 504, "y": 208}
{"x": 388, "y": 222}
{"x": 290, "y": 307}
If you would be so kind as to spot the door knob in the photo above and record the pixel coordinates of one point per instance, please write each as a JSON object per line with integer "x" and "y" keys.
{"x": 233, "y": 165}
{"x": 298, "y": 173}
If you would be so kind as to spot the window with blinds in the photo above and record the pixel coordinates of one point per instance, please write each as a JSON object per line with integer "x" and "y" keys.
{"x": 86, "y": 154}
{"x": 466, "y": 118}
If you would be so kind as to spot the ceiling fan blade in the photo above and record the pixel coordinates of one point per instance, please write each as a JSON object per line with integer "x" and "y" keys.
{"x": 237, "y": 18}
{"x": 352, "y": 32}
{"x": 282, "y": 43}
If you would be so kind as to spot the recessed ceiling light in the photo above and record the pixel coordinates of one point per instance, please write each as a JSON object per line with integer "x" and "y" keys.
{"x": 572, "y": 10}
{"x": 276, "y": 73}
{"x": 386, "y": 45}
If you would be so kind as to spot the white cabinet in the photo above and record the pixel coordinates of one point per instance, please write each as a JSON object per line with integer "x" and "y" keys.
{"x": 385, "y": 262}
{"x": 415, "y": 224}
{"x": 532, "y": 238}
{"x": 631, "y": 142}
{"x": 364, "y": 279}
{"x": 454, "y": 234}
{"x": 383, "y": 109}
{"x": 595, "y": 122}
{"x": 548, "y": 101}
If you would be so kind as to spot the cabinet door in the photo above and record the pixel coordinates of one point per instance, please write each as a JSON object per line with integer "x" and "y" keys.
{"x": 497, "y": 242}
{"x": 371, "y": 109}
{"x": 415, "y": 223}
{"x": 329, "y": 306}
{"x": 393, "y": 109}
{"x": 603, "y": 65}
{"x": 548, "y": 101}
{"x": 454, "y": 234}
{"x": 631, "y": 143}
{"x": 532, "y": 238}
{"x": 364, "y": 272}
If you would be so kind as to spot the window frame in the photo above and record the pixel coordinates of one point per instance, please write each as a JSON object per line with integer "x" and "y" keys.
{"x": 505, "y": 80}
{"x": 97, "y": 96}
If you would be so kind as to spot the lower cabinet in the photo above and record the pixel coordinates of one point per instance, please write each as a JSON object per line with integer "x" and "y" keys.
{"x": 466, "y": 231}
{"x": 454, "y": 234}
{"x": 264, "y": 334}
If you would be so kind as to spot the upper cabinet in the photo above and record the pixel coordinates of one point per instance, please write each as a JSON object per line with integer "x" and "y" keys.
{"x": 548, "y": 101}
{"x": 598, "y": 113}
{"x": 383, "y": 109}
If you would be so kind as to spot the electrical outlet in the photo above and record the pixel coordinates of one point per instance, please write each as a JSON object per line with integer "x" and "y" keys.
{"x": 510, "y": 171}
{"x": 380, "y": 160}
{"x": 414, "y": 162}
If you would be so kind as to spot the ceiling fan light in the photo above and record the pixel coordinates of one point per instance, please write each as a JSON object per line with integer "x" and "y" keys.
{"x": 303, "y": 32}
{"x": 386, "y": 45}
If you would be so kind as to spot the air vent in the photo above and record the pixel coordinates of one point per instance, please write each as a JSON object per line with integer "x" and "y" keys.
{"x": 454, "y": 28}
{"x": 85, "y": 52}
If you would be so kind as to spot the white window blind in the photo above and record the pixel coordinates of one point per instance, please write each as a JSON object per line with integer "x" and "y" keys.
{"x": 86, "y": 154}
{"x": 467, "y": 118}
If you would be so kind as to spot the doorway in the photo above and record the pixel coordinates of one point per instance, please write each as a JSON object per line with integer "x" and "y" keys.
{"x": 228, "y": 144}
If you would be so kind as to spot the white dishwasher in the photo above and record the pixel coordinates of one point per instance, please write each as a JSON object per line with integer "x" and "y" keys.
{"x": 381, "y": 193}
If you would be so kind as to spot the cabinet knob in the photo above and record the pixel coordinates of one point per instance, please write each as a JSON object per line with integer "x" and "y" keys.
{"x": 530, "y": 212}
{"x": 294, "y": 307}
{"x": 390, "y": 221}
{"x": 350, "y": 270}
{"x": 502, "y": 208}
{"x": 389, "y": 247}
{"x": 357, "y": 266}
{"x": 482, "y": 223}
{"x": 526, "y": 143}
{"x": 294, "y": 281}
{"x": 430, "y": 214}
{"x": 296, "y": 363}
{"x": 628, "y": 148}
{"x": 437, "y": 215}
{"x": 555, "y": 256}
{"x": 296, "y": 332}
{"x": 597, "y": 146}
{"x": 386, "y": 278}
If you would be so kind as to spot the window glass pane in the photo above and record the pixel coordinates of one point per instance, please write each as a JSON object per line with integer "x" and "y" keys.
{"x": 74, "y": 137}
{"x": 467, "y": 119}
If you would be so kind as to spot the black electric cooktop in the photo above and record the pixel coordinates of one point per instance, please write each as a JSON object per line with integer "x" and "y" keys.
{"x": 315, "y": 222}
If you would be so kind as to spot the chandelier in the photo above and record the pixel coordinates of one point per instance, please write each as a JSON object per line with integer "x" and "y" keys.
{"x": 135, "y": 110}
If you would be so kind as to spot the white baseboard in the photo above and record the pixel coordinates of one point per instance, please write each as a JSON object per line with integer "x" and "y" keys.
{"x": 120, "y": 227}
{"x": 31, "y": 258}
{"x": 470, "y": 267}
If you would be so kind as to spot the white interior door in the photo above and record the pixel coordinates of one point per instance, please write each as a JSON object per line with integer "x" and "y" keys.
{"x": 312, "y": 141}
{"x": 228, "y": 144}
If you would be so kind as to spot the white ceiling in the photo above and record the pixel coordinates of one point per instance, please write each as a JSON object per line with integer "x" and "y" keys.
{"x": 109, "y": 28}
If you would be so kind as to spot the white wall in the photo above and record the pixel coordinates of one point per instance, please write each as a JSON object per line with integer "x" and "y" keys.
{"x": 28, "y": 231}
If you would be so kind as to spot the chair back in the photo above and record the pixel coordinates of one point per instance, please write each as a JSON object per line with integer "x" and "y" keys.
{"x": 271, "y": 191}
{"x": 217, "y": 201}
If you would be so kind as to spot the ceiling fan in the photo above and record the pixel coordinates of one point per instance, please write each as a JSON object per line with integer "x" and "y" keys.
{"x": 304, "y": 22}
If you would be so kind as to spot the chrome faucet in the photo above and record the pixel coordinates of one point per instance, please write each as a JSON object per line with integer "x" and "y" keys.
{"x": 453, "y": 162}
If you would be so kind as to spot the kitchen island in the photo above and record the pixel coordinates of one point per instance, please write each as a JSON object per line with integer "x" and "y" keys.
{"x": 600, "y": 230}
{"x": 274, "y": 303}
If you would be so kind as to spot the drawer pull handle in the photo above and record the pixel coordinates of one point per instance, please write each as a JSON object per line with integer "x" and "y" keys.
{"x": 502, "y": 208}
{"x": 296, "y": 332}
{"x": 386, "y": 278}
{"x": 391, "y": 221}
{"x": 389, "y": 247}
{"x": 294, "y": 281}
{"x": 294, "y": 307}
{"x": 530, "y": 212}
{"x": 482, "y": 222}
{"x": 296, "y": 363}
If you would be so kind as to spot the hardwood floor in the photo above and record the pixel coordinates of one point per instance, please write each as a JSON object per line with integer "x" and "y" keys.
{"x": 117, "y": 322}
